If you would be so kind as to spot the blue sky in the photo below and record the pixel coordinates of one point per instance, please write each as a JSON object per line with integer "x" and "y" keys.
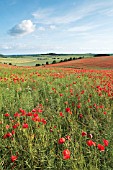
{"x": 60, "y": 26}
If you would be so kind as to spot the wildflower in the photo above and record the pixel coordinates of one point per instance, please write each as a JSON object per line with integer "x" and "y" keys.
{"x": 36, "y": 119}
{"x": 82, "y": 92}
{"x": 39, "y": 110}
{"x": 105, "y": 142}
{"x": 67, "y": 109}
{"x": 68, "y": 137}
{"x": 101, "y": 106}
{"x": 61, "y": 114}
{"x": 13, "y": 158}
{"x": 90, "y": 143}
{"x": 34, "y": 110}
{"x": 13, "y": 132}
{"x": 84, "y": 133}
{"x": 29, "y": 114}
{"x": 80, "y": 115}
{"x": 61, "y": 95}
{"x": 15, "y": 126}
{"x": 66, "y": 154}
{"x": 66, "y": 102}
{"x": 101, "y": 147}
{"x": 51, "y": 130}
{"x": 43, "y": 121}
{"x": 6, "y": 114}
{"x": 7, "y": 127}
{"x": 61, "y": 140}
{"x": 16, "y": 114}
{"x": 35, "y": 115}
{"x": 79, "y": 106}
{"x": 25, "y": 125}
{"x": 9, "y": 134}
{"x": 90, "y": 136}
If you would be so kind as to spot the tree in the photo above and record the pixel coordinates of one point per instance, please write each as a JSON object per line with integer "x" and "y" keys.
{"x": 54, "y": 62}
{"x": 1, "y": 55}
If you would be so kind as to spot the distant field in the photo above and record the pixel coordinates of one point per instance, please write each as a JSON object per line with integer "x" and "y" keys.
{"x": 40, "y": 59}
{"x": 87, "y": 61}
{"x": 97, "y": 63}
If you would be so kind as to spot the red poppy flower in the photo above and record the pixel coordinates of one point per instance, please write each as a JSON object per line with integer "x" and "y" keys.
{"x": 7, "y": 127}
{"x": 91, "y": 143}
{"x": 66, "y": 154}
{"x": 66, "y": 157}
{"x": 105, "y": 142}
{"x": 80, "y": 115}
{"x": 68, "y": 137}
{"x": 39, "y": 110}
{"x": 9, "y": 134}
{"x": 35, "y": 115}
{"x": 34, "y": 110}
{"x": 84, "y": 133}
{"x": 29, "y": 114}
{"x": 101, "y": 147}
{"x": 61, "y": 95}
{"x": 25, "y": 125}
{"x": 61, "y": 140}
{"x": 13, "y": 132}
{"x": 16, "y": 114}
{"x": 43, "y": 121}
{"x": 90, "y": 136}
{"x": 5, "y": 136}
{"x": 78, "y": 106}
{"x": 15, "y": 126}
{"x": 67, "y": 109}
{"x": 13, "y": 158}
{"x": 61, "y": 114}
{"x": 105, "y": 113}
{"x": 6, "y": 114}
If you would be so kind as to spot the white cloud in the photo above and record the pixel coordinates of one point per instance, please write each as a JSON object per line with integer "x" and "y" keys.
{"x": 5, "y": 46}
{"x": 12, "y": 46}
{"x": 42, "y": 13}
{"x": 41, "y": 29}
{"x": 83, "y": 28}
{"x": 54, "y": 16}
{"x": 80, "y": 29}
{"x": 108, "y": 12}
{"x": 52, "y": 27}
{"x": 50, "y": 17}
{"x": 25, "y": 27}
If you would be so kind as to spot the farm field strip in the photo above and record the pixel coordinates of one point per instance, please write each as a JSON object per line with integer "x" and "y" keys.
{"x": 97, "y": 62}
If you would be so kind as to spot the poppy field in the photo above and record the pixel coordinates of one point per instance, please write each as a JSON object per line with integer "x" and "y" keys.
{"x": 56, "y": 118}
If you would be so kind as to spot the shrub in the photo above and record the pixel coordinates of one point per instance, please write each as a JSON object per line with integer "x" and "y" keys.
{"x": 37, "y": 65}
{"x": 47, "y": 62}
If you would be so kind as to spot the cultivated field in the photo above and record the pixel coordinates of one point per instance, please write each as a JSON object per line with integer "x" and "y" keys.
{"x": 56, "y": 118}
{"x": 105, "y": 62}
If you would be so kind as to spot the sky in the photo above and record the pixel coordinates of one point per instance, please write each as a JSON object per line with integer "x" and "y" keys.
{"x": 59, "y": 26}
